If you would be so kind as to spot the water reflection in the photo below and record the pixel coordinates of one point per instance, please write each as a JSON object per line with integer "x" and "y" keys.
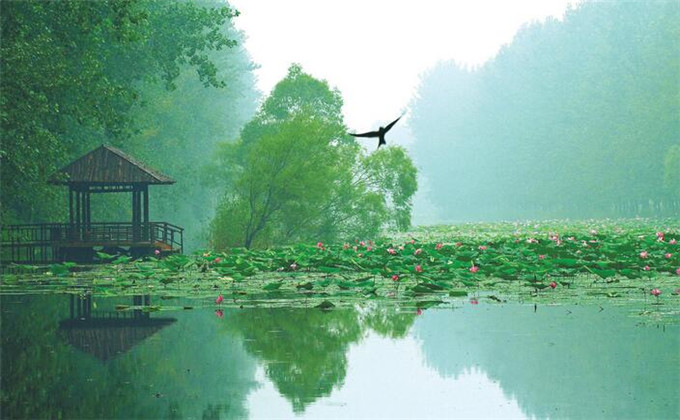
{"x": 305, "y": 351}
{"x": 573, "y": 362}
{"x": 186, "y": 370}
{"x": 106, "y": 333}
{"x": 373, "y": 361}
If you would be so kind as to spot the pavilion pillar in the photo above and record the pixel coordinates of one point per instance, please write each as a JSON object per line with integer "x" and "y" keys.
{"x": 70, "y": 204}
{"x": 147, "y": 228}
{"x": 136, "y": 213}
{"x": 78, "y": 215}
{"x": 87, "y": 214}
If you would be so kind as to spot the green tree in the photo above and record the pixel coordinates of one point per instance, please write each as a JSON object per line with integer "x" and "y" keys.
{"x": 296, "y": 175}
{"x": 572, "y": 119}
{"x": 72, "y": 72}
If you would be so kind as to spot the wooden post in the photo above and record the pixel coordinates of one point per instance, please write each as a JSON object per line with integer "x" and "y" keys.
{"x": 70, "y": 204}
{"x": 136, "y": 214}
{"x": 77, "y": 227}
{"x": 145, "y": 195}
{"x": 87, "y": 214}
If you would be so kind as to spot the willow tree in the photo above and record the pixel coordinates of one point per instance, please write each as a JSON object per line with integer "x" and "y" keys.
{"x": 295, "y": 174}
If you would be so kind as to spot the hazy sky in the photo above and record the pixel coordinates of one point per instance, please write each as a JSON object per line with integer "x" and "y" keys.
{"x": 375, "y": 50}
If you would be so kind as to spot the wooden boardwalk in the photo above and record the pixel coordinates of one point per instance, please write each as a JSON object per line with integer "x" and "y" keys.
{"x": 55, "y": 242}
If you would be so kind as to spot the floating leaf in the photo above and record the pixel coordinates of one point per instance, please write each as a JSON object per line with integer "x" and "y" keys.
{"x": 325, "y": 305}
{"x": 273, "y": 285}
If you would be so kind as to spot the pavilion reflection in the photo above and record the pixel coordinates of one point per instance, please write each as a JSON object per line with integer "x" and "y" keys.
{"x": 106, "y": 334}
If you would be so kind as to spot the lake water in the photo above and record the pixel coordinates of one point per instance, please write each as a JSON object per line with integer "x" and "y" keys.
{"x": 66, "y": 357}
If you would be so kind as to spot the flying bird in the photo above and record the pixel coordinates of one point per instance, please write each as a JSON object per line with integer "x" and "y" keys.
{"x": 380, "y": 133}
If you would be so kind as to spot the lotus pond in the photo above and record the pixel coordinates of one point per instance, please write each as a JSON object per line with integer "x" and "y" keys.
{"x": 547, "y": 320}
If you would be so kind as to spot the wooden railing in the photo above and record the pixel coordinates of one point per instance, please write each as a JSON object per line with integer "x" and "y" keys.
{"x": 42, "y": 241}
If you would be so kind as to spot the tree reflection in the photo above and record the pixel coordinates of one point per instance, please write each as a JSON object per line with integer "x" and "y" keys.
{"x": 303, "y": 350}
{"x": 582, "y": 363}
{"x": 388, "y": 323}
{"x": 44, "y": 376}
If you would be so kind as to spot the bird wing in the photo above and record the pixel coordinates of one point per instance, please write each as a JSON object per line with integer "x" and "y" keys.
{"x": 368, "y": 134}
{"x": 392, "y": 123}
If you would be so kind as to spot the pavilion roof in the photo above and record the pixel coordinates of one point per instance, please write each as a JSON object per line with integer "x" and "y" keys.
{"x": 108, "y": 165}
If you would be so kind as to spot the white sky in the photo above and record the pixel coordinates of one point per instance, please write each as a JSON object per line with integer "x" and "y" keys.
{"x": 373, "y": 51}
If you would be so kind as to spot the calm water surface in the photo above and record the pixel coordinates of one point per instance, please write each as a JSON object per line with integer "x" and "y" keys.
{"x": 66, "y": 357}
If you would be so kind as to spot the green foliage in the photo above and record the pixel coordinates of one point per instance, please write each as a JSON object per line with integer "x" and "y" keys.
{"x": 574, "y": 118}
{"x": 73, "y": 73}
{"x": 390, "y": 171}
{"x": 295, "y": 175}
{"x": 558, "y": 261}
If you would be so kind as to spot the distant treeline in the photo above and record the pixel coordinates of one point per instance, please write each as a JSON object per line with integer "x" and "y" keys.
{"x": 574, "y": 118}
{"x": 164, "y": 81}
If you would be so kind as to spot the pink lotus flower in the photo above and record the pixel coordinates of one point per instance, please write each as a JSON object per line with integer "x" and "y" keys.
{"x": 644, "y": 254}
{"x": 541, "y": 257}
{"x": 439, "y": 246}
{"x": 482, "y": 247}
{"x": 157, "y": 252}
{"x": 391, "y": 251}
{"x": 413, "y": 241}
{"x": 419, "y": 269}
{"x": 659, "y": 236}
{"x": 219, "y": 313}
{"x": 418, "y": 251}
{"x": 362, "y": 243}
{"x": 400, "y": 247}
{"x": 474, "y": 301}
{"x": 319, "y": 245}
{"x": 474, "y": 269}
{"x": 553, "y": 284}
{"x": 219, "y": 299}
{"x": 668, "y": 255}
{"x": 673, "y": 241}
{"x": 293, "y": 266}
{"x": 677, "y": 271}
{"x": 345, "y": 246}
{"x": 419, "y": 311}
{"x": 395, "y": 277}
{"x": 217, "y": 260}
{"x": 368, "y": 248}
{"x": 646, "y": 268}
{"x": 656, "y": 292}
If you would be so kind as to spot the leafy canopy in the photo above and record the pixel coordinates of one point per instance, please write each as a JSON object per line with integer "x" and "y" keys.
{"x": 296, "y": 175}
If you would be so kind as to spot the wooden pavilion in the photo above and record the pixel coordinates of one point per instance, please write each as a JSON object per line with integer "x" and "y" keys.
{"x": 103, "y": 170}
